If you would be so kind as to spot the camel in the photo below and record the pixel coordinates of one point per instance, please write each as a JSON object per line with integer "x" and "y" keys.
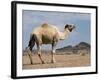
{"x": 47, "y": 34}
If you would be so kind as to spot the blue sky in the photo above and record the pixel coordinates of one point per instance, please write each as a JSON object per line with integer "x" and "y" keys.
{"x": 33, "y": 19}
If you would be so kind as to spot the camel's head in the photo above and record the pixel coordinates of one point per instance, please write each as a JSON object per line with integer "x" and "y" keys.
{"x": 69, "y": 27}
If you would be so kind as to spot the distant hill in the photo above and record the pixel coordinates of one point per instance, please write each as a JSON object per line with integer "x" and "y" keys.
{"x": 66, "y": 48}
{"x": 80, "y": 46}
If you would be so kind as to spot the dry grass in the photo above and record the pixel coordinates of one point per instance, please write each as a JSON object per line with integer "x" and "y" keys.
{"x": 65, "y": 60}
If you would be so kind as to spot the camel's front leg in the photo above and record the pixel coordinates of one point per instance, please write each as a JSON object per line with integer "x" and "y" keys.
{"x": 53, "y": 52}
{"x": 39, "y": 53}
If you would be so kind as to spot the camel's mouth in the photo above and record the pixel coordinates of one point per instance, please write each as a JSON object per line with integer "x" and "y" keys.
{"x": 71, "y": 29}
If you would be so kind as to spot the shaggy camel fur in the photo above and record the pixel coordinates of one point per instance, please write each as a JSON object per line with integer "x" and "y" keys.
{"x": 47, "y": 34}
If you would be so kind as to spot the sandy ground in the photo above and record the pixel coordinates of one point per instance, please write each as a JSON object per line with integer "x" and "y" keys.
{"x": 65, "y": 60}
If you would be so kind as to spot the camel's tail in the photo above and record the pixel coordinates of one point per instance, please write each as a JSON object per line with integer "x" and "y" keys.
{"x": 31, "y": 42}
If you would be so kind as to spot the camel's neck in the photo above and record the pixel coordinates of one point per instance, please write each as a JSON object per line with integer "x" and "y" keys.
{"x": 64, "y": 34}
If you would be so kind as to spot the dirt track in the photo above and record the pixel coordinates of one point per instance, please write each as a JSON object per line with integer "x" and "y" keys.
{"x": 65, "y": 60}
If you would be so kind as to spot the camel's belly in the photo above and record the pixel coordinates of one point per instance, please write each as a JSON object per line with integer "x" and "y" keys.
{"x": 46, "y": 40}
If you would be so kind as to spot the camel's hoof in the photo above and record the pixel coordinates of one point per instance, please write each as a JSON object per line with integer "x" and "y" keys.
{"x": 43, "y": 62}
{"x": 53, "y": 61}
{"x": 31, "y": 63}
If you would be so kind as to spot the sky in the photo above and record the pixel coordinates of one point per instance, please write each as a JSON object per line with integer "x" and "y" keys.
{"x": 32, "y": 19}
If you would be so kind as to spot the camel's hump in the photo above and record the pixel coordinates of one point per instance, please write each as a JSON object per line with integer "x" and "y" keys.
{"x": 44, "y": 25}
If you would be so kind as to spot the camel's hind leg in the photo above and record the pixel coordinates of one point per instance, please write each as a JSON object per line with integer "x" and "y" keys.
{"x": 30, "y": 46}
{"x": 30, "y": 55}
{"x": 39, "y": 53}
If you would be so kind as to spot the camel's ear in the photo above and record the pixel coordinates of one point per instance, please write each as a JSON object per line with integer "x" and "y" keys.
{"x": 66, "y": 26}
